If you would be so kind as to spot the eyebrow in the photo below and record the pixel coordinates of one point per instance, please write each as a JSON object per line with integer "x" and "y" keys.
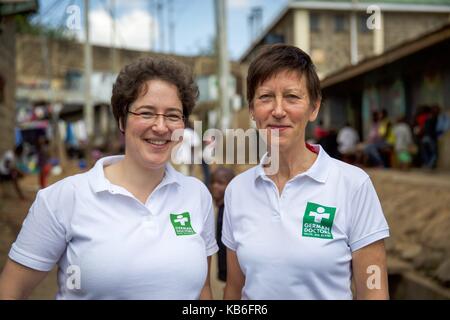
{"x": 153, "y": 108}
{"x": 288, "y": 90}
{"x": 296, "y": 91}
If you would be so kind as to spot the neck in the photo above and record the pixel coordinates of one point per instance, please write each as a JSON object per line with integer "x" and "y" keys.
{"x": 294, "y": 160}
{"x": 141, "y": 177}
{"x": 136, "y": 179}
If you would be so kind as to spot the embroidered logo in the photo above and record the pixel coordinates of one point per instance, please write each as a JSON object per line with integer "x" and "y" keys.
{"x": 318, "y": 221}
{"x": 182, "y": 224}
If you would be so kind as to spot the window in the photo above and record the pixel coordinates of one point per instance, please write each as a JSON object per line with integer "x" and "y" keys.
{"x": 314, "y": 22}
{"x": 273, "y": 38}
{"x": 73, "y": 80}
{"x": 363, "y": 23}
{"x": 340, "y": 23}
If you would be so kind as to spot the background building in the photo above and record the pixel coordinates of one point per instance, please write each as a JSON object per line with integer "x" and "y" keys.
{"x": 401, "y": 80}
{"x": 8, "y": 12}
{"x": 50, "y": 72}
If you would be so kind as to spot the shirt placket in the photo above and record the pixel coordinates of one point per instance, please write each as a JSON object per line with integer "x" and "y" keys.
{"x": 274, "y": 198}
{"x": 148, "y": 218}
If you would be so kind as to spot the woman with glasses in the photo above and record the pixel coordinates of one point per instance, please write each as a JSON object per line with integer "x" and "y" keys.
{"x": 132, "y": 227}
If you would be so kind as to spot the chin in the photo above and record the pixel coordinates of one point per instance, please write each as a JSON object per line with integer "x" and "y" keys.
{"x": 155, "y": 161}
{"x": 281, "y": 142}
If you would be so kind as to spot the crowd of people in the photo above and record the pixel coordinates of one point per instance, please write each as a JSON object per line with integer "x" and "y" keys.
{"x": 401, "y": 144}
{"x": 26, "y": 159}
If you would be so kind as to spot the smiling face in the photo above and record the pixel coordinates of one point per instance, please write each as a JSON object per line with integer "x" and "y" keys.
{"x": 148, "y": 142}
{"x": 282, "y": 103}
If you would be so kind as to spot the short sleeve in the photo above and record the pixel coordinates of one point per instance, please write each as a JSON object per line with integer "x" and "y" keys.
{"x": 227, "y": 230}
{"x": 209, "y": 232}
{"x": 367, "y": 222}
{"x": 42, "y": 239}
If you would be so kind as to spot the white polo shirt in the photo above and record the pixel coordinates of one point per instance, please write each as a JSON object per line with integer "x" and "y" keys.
{"x": 108, "y": 245}
{"x": 299, "y": 245}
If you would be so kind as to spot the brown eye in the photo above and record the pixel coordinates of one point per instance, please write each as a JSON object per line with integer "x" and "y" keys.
{"x": 174, "y": 117}
{"x": 147, "y": 115}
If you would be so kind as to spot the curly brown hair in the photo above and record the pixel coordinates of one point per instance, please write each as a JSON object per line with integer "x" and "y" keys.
{"x": 130, "y": 83}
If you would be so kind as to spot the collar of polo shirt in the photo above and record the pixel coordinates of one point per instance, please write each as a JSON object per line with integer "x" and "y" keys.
{"x": 99, "y": 182}
{"x": 318, "y": 171}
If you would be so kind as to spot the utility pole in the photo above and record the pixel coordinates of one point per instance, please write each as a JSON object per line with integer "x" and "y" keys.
{"x": 223, "y": 62}
{"x": 154, "y": 10}
{"x": 114, "y": 57}
{"x": 106, "y": 129}
{"x": 353, "y": 34}
{"x": 171, "y": 27}
{"x": 159, "y": 8}
{"x": 151, "y": 24}
{"x": 88, "y": 110}
{"x": 250, "y": 19}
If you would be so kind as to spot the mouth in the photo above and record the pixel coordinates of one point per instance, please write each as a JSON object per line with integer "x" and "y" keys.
{"x": 158, "y": 143}
{"x": 278, "y": 127}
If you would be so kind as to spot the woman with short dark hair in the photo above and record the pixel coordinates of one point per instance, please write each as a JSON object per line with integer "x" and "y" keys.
{"x": 306, "y": 230}
{"x": 132, "y": 227}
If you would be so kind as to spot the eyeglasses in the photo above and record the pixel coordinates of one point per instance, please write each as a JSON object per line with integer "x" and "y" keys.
{"x": 149, "y": 116}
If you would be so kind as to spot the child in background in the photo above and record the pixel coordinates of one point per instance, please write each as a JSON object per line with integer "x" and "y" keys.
{"x": 219, "y": 182}
{"x": 44, "y": 165}
{"x": 403, "y": 143}
{"x": 9, "y": 170}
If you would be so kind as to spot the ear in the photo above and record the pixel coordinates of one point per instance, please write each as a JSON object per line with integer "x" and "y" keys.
{"x": 121, "y": 129}
{"x": 252, "y": 111}
{"x": 315, "y": 111}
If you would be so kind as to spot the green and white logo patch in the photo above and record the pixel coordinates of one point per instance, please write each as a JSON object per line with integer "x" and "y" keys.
{"x": 318, "y": 221}
{"x": 182, "y": 224}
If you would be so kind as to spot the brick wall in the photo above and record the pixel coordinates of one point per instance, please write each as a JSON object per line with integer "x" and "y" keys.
{"x": 400, "y": 27}
{"x": 330, "y": 48}
{"x": 69, "y": 55}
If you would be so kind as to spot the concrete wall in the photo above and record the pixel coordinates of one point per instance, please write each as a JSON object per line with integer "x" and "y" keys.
{"x": 302, "y": 30}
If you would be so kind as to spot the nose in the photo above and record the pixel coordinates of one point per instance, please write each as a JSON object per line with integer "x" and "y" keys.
{"x": 159, "y": 125}
{"x": 278, "y": 110}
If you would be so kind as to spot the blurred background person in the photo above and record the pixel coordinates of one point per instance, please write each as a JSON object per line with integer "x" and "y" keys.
{"x": 403, "y": 143}
{"x": 9, "y": 169}
{"x": 43, "y": 161}
{"x": 220, "y": 179}
{"x": 347, "y": 140}
{"x": 429, "y": 142}
{"x": 381, "y": 140}
{"x": 319, "y": 131}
